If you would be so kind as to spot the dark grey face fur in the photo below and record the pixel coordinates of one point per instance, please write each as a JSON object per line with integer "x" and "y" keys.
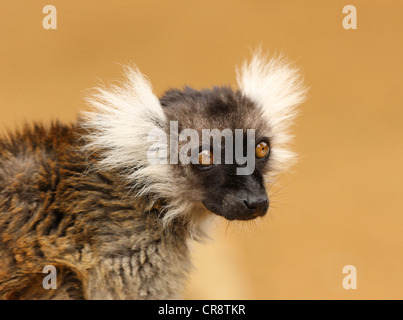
{"x": 218, "y": 187}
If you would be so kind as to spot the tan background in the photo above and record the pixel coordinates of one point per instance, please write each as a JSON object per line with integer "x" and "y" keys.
{"x": 342, "y": 205}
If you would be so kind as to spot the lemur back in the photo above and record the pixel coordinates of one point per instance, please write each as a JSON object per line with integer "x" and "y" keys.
{"x": 56, "y": 211}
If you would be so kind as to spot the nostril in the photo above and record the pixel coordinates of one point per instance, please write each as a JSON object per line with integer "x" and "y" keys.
{"x": 251, "y": 207}
{"x": 259, "y": 206}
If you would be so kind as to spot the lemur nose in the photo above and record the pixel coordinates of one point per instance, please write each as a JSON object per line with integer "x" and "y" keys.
{"x": 257, "y": 206}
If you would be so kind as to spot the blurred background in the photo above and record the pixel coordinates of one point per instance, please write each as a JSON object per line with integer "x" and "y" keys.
{"x": 340, "y": 205}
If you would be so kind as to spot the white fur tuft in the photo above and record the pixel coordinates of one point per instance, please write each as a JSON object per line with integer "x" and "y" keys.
{"x": 277, "y": 88}
{"x": 118, "y": 124}
{"x": 120, "y": 120}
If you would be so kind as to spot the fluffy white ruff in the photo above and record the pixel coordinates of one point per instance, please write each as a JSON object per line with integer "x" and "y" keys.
{"x": 277, "y": 88}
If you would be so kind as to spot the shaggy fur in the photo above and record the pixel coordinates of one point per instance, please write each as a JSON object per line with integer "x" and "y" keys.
{"x": 85, "y": 199}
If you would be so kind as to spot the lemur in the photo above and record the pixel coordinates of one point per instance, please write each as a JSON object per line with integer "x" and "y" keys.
{"x": 85, "y": 198}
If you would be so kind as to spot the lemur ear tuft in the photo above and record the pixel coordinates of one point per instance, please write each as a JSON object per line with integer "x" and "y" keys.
{"x": 117, "y": 130}
{"x": 276, "y": 87}
{"x": 120, "y": 120}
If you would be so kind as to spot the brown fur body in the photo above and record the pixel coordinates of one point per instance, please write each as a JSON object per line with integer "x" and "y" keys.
{"x": 54, "y": 211}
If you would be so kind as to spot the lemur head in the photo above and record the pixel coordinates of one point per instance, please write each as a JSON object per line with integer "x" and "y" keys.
{"x": 228, "y": 122}
{"x": 215, "y": 148}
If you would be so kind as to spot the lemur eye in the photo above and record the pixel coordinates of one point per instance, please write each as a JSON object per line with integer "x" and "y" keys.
{"x": 206, "y": 158}
{"x": 262, "y": 150}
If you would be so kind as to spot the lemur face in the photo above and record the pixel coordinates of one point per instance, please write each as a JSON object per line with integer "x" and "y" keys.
{"x": 215, "y": 172}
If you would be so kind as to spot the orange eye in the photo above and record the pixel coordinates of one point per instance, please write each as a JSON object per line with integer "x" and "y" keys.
{"x": 262, "y": 150}
{"x": 205, "y": 158}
